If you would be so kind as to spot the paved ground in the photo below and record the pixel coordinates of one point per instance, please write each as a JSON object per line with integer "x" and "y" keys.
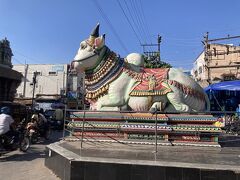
{"x": 30, "y": 165}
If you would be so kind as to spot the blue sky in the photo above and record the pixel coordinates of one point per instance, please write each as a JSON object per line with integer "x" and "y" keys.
{"x": 51, "y": 31}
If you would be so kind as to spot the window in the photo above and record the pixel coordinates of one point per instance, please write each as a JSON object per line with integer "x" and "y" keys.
{"x": 200, "y": 70}
{"x": 52, "y": 73}
{"x": 38, "y": 73}
{"x": 195, "y": 73}
{"x": 229, "y": 77}
{"x": 220, "y": 55}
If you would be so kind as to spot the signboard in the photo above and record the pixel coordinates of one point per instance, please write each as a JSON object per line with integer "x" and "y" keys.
{"x": 43, "y": 106}
{"x": 72, "y": 95}
{"x": 58, "y": 68}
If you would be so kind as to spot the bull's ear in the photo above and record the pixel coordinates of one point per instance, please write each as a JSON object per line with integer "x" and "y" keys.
{"x": 99, "y": 42}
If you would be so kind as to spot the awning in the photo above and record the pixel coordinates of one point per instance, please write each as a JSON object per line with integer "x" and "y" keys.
{"x": 224, "y": 86}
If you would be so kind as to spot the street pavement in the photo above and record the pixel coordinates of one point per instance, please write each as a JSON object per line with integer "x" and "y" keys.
{"x": 29, "y": 165}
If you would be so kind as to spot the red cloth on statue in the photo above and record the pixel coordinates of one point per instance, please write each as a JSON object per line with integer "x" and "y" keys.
{"x": 150, "y": 83}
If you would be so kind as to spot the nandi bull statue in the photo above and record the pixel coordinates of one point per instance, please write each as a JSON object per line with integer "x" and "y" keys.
{"x": 114, "y": 83}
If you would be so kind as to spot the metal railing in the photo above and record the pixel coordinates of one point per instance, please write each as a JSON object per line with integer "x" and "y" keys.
{"x": 228, "y": 116}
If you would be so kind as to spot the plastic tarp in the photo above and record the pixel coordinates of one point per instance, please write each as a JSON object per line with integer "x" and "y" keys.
{"x": 57, "y": 105}
{"x": 224, "y": 86}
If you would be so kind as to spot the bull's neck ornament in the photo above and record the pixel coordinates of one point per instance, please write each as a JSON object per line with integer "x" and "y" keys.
{"x": 97, "y": 80}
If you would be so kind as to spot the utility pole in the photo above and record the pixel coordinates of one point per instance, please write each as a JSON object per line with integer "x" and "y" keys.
{"x": 153, "y": 54}
{"x": 34, "y": 85}
{"x": 206, "y": 59}
{"x": 25, "y": 79}
{"x": 159, "y": 42}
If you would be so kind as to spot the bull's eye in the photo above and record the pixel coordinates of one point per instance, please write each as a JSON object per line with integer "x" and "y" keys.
{"x": 83, "y": 45}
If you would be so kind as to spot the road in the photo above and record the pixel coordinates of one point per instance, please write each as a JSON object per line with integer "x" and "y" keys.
{"x": 29, "y": 165}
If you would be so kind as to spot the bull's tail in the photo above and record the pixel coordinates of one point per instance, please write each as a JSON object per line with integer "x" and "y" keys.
{"x": 207, "y": 105}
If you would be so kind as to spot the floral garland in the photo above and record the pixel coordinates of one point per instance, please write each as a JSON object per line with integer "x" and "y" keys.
{"x": 104, "y": 68}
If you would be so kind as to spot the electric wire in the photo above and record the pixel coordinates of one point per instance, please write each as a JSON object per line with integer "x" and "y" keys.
{"x": 139, "y": 8}
{"x": 133, "y": 19}
{"x": 129, "y": 22}
{"x": 138, "y": 13}
{"x": 136, "y": 20}
{"x": 144, "y": 19}
{"x": 100, "y": 10}
{"x": 140, "y": 23}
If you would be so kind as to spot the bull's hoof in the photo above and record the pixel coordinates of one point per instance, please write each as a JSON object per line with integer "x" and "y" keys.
{"x": 153, "y": 110}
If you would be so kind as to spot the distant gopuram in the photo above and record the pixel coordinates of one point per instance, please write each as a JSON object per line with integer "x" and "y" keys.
{"x": 9, "y": 79}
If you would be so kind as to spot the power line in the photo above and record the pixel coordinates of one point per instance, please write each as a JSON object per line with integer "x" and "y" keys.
{"x": 141, "y": 23}
{"x": 138, "y": 23}
{"x": 139, "y": 17}
{"x": 100, "y": 10}
{"x": 128, "y": 21}
{"x": 133, "y": 20}
{"x": 144, "y": 19}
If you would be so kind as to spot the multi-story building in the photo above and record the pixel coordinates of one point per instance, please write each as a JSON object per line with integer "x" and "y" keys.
{"x": 221, "y": 64}
{"x": 50, "y": 79}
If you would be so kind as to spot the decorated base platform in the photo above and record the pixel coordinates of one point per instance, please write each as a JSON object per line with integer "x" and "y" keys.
{"x": 143, "y": 146}
{"x": 145, "y": 128}
{"x": 113, "y": 161}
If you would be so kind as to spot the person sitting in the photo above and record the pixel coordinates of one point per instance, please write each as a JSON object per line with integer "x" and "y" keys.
{"x": 40, "y": 122}
{"x": 34, "y": 121}
{"x": 7, "y": 125}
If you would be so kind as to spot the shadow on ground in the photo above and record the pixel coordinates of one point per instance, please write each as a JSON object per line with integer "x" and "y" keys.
{"x": 35, "y": 151}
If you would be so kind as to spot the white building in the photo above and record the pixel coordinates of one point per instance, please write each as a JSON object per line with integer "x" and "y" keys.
{"x": 50, "y": 79}
{"x": 199, "y": 71}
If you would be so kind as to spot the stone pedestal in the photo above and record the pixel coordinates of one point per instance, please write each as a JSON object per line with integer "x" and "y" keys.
{"x": 117, "y": 161}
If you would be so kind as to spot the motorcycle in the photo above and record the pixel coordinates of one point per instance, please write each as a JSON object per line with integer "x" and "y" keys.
{"x": 35, "y": 132}
{"x": 18, "y": 141}
{"x": 233, "y": 128}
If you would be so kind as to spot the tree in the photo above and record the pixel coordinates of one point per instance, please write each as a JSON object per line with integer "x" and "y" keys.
{"x": 153, "y": 62}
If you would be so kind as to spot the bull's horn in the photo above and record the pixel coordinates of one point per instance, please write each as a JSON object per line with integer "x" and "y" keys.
{"x": 93, "y": 35}
{"x": 95, "y": 32}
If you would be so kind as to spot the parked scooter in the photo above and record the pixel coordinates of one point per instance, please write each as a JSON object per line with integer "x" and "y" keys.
{"x": 19, "y": 141}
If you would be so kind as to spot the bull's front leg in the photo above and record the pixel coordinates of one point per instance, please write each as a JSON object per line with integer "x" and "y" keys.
{"x": 118, "y": 93}
{"x": 108, "y": 103}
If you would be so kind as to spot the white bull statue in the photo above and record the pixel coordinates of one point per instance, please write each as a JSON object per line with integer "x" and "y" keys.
{"x": 114, "y": 83}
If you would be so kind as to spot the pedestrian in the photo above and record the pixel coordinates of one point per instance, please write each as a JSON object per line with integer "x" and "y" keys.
{"x": 7, "y": 126}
